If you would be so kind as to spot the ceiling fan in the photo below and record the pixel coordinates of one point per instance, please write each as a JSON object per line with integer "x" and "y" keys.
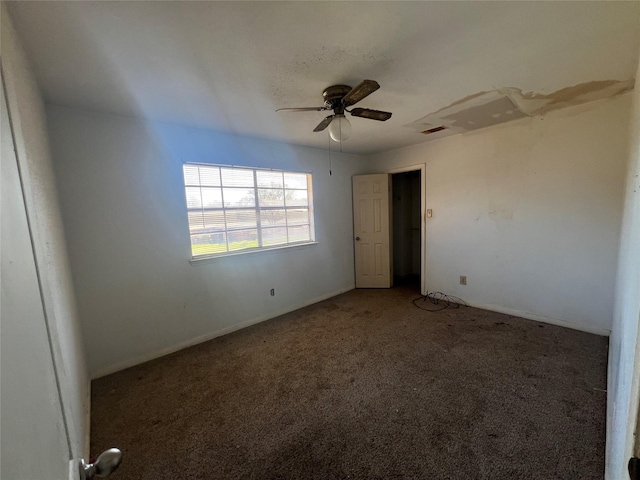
{"x": 338, "y": 98}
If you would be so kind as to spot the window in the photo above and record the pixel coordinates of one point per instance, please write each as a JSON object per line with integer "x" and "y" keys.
{"x": 234, "y": 209}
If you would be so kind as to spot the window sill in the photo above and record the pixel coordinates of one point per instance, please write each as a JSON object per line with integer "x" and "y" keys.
{"x": 263, "y": 251}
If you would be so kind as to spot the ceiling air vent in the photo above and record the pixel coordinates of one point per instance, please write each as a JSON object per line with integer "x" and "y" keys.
{"x": 434, "y": 130}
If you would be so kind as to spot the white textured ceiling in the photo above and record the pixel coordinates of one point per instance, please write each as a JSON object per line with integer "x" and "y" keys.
{"x": 228, "y": 65}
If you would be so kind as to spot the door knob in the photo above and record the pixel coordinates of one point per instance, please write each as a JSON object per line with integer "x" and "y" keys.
{"x": 104, "y": 466}
{"x": 357, "y": 238}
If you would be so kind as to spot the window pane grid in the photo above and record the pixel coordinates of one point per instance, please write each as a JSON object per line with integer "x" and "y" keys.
{"x": 233, "y": 209}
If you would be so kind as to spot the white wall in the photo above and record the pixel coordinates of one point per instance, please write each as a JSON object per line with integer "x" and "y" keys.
{"x": 624, "y": 355}
{"x": 122, "y": 196}
{"x": 529, "y": 211}
{"x": 49, "y": 248}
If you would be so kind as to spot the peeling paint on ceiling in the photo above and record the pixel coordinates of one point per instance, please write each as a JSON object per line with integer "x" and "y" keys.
{"x": 537, "y": 103}
{"x": 484, "y": 109}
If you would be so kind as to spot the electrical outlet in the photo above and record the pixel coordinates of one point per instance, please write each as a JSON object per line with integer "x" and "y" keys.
{"x": 463, "y": 279}
{"x": 273, "y": 292}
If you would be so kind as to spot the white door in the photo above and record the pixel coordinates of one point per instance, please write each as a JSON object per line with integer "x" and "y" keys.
{"x": 372, "y": 231}
{"x": 33, "y": 435}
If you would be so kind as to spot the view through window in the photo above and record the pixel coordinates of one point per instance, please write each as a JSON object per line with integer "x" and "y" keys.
{"x": 235, "y": 209}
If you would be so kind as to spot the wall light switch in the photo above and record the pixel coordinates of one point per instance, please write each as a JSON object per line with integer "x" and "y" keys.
{"x": 429, "y": 213}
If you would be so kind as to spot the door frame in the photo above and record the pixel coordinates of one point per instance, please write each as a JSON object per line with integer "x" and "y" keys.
{"x": 422, "y": 167}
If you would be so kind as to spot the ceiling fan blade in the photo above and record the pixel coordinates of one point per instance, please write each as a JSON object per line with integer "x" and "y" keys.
{"x": 323, "y": 124}
{"x": 371, "y": 114}
{"x": 367, "y": 87}
{"x": 302, "y": 109}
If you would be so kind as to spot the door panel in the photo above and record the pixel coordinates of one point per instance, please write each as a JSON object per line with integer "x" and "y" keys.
{"x": 33, "y": 435}
{"x": 372, "y": 233}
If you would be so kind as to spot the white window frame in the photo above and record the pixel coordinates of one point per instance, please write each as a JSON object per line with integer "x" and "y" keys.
{"x": 193, "y": 211}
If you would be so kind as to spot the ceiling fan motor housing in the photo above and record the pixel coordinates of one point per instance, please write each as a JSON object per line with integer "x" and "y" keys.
{"x": 333, "y": 97}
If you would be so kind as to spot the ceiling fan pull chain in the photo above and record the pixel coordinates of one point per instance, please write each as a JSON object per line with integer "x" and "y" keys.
{"x": 329, "y": 138}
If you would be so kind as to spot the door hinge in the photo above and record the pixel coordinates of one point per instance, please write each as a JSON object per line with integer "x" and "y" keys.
{"x": 634, "y": 468}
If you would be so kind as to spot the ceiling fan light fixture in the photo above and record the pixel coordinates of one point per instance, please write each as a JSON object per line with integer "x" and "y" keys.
{"x": 340, "y": 128}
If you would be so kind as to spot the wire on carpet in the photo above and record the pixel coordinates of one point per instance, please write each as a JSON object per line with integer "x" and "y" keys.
{"x": 436, "y": 301}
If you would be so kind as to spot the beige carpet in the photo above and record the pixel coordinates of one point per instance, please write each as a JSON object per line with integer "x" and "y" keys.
{"x": 364, "y": 386}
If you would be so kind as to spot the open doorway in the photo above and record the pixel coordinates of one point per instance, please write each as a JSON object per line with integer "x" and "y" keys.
{"x": 407, "y": 228}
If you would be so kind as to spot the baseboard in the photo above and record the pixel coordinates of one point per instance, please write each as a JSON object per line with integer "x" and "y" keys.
{"x": 541, "y": 318}
{"x": 210, "y": 336}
